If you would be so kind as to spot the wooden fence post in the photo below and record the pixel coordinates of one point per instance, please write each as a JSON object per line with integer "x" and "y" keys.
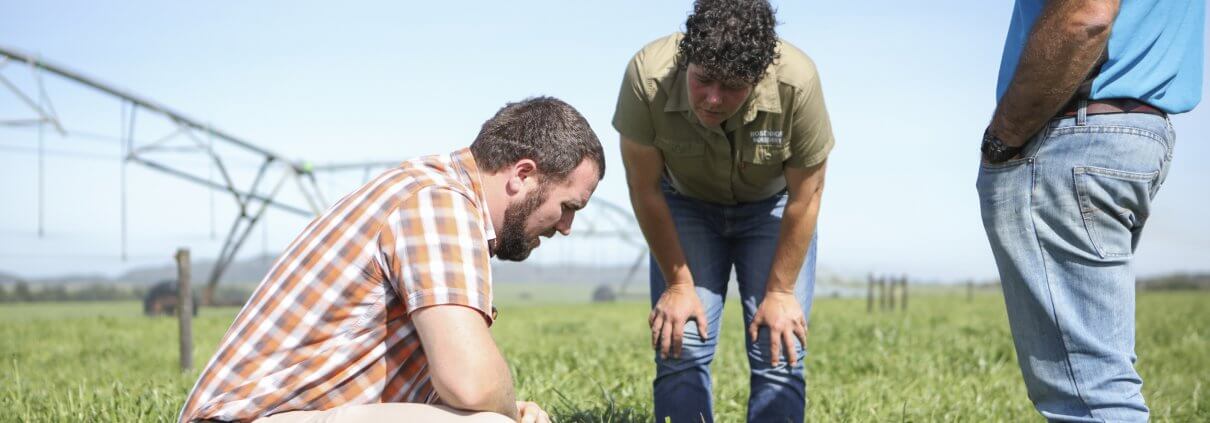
{"x": 882, "y": 293}
{"x": 869, "y": 298}
{"x": 892, "y": 286}
{"x": 184, "y": 308}
{"x": 903, "y": 294}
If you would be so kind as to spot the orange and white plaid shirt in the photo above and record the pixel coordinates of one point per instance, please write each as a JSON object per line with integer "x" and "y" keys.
{"x": 330, "y": 324}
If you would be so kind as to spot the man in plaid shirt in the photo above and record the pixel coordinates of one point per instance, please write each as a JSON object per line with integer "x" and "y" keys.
{"x": 379, "y": 310}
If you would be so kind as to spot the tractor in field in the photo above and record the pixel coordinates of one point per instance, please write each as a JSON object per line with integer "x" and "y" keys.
{"x": 161, "y": 300}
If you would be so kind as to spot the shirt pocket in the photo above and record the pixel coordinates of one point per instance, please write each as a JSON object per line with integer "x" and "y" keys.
{"x": 680, "y": 149}
{"x": 765, "y": 154}
{"x": 760, "y": 164}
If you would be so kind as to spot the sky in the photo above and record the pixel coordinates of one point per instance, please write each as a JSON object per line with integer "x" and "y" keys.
{"x": 909, "y": 87}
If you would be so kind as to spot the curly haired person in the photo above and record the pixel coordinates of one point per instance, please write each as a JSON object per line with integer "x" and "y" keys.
{"x": 724, "y": 136}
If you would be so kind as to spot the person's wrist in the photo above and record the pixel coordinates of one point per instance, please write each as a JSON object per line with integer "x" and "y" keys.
{"x": 996, "y": 149}
{"x": 1005, "y": 133}
{"x": 772, "y": 292}
{"x": 679, "y": 284}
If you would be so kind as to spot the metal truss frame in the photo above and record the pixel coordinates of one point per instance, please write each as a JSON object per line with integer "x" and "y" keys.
{"x": 252, "y": 198}
{"x": 189, "y": 135}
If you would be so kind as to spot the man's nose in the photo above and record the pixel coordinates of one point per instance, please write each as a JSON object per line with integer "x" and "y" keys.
{"x": 564, "y": 225}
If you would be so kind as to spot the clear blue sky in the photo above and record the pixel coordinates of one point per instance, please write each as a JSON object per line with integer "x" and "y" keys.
{"x": 909, "y": 86}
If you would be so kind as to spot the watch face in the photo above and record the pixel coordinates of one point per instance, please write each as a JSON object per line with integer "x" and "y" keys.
{"x": 996, "y": 151}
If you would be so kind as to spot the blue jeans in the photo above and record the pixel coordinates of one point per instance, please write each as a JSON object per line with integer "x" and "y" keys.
{"x": 1064, "y": 221}
{"x": 714, "y": 238}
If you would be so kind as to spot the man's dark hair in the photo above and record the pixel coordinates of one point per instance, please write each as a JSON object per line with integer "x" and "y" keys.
{"x": 731, "y": 40}
{"x": 543, "y": 129}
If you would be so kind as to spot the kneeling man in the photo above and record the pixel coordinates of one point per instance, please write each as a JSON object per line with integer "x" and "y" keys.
{"x": 379, "y": 310}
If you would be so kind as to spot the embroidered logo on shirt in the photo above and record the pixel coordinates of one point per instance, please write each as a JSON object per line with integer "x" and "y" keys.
{"x": 766, "y": 137}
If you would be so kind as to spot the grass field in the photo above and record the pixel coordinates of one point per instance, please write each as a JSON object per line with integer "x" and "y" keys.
{"x": 945, "y": 359}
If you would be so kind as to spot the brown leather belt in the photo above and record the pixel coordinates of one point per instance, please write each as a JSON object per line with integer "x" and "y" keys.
{"x": 1113, "y": 105}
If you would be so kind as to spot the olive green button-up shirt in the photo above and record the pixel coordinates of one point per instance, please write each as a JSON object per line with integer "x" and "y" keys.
{"x": 782, "y": 123}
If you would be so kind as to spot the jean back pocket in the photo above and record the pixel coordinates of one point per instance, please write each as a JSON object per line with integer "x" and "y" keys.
{"x": 1114, "y": 204}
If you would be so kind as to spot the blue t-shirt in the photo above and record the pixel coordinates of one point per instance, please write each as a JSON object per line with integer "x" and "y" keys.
{"x": 1155, "y": 52}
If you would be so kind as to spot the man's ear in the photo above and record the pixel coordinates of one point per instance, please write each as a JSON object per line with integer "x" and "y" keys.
{"x": 524, "y": 173}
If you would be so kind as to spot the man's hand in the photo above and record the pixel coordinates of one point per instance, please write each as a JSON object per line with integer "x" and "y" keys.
{"x": 783, "y": 315}
{"x": 677, "y": 305}
{"x": 529, "y": 412}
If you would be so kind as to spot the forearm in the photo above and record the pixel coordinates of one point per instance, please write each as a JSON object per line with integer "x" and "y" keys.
{"x": 797, "y": 228}
{"x": 1064, "y": 45}
{"x": 504, "y": 398}
{"x": 464, "y": 365}
{"x": 495, "y": 395}
{"x": 655, "y": 221}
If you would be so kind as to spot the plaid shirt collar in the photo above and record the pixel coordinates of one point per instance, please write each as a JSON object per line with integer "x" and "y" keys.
{"x": 469, "y": 172}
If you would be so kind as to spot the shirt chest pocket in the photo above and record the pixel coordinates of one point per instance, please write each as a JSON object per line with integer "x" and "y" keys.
{"x": 673, "y": 149}
{"x": 765, "y": 154}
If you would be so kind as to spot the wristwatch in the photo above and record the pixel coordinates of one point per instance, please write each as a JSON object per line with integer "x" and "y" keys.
{"x": 995, "y": 150}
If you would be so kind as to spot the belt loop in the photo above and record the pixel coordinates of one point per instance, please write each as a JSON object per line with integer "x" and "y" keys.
{"x": 1082, "y": 112}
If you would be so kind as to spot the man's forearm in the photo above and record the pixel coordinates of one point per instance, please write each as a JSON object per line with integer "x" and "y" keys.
{"x": 1064, "y": 45}
{"x": 495, "y": 394}
{"x": 797, "y": 227}
{"x": 505, "y": 399}
{"x": 655, "y": 221}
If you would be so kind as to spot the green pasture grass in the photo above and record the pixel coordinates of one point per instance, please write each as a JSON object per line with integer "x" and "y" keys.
{"x": 944, "y": 359}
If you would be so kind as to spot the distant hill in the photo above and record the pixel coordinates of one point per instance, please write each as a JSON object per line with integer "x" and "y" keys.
{"x": 250, "y": 270}
{"x": 6, "y": 278}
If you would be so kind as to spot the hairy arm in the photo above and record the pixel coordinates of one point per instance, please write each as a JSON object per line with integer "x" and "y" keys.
{"x": 1064, "y": 45}
{"x": 679, "y": 303}
{"x": 466, "y": 367}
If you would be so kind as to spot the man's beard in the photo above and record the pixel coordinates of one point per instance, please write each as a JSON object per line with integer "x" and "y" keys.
{"x": 512, "y": 243}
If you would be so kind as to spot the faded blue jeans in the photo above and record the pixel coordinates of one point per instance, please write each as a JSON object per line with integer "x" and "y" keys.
{"x": 714, "y": 238}
{"x": 1064, "y": 221}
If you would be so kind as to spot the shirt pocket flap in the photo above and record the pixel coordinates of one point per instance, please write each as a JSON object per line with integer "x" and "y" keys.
{"x": 680, "y": 148}
{"x": 766, "y": 154}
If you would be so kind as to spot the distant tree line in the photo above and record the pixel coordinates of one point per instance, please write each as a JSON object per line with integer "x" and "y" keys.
{"x": 1177, "y": 282}
{"x": 22, "y": 291}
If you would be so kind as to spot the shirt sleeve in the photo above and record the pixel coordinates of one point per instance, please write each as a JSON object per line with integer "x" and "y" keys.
{"x": 632, "y": 117}
{"x": 811, "y": 130}
{"x": 436, "y": 253}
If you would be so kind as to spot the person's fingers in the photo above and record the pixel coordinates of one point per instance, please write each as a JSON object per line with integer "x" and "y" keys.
{"x": 655, "y": 332}
{"x": 523, "y": 414}
{"x": 791, "y": 353}
{"x": 543, "y": 417}
{"x": 800, "y": 330}
{"x": 651, "y": 316}
{"x": 528, "y": 412}
{"x": 703, "y": 328}
{"x": 775, "y": 346}
{"x": 665, "y": 338}
{"x": 752, "y": 330}
{"x": 678, "y": 337}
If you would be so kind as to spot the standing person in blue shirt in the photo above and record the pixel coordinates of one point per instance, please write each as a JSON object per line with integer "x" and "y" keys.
{"x": 1079, "y": 144}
